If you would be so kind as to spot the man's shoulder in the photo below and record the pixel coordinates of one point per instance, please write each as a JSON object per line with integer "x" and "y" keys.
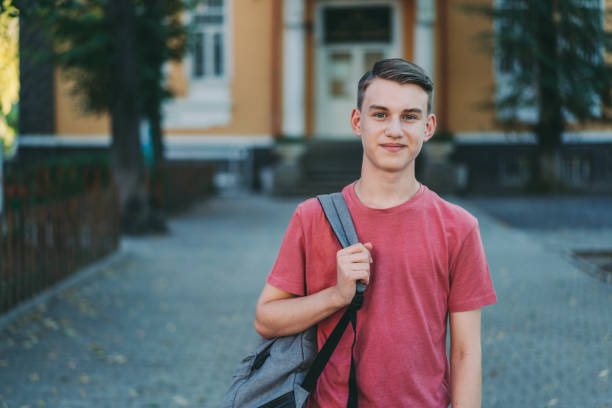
{"x": 452, "y": 214}
{"x": 309, "y": 208}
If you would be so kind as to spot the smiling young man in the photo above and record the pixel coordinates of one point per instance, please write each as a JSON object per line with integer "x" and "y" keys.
{"x": 421, "y": 257}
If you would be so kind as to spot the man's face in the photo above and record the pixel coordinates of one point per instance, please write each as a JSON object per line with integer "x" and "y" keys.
{"x": 393, "y": 124}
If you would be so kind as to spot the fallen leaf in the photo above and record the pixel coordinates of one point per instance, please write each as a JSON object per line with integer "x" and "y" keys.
{"x": 98, "y": 349}
{"x": 133, "y": 393}
{"x": 34, "y": 377}
{"x": 552, "y": 402}
{"x": 604, "y": 373}
{"x": 70, "y": 332}
{"x": 50, "y": 324}
{"x": 179, "y": 400}
{"x": 116, "y": 358}
{"x": 84, "y": 378}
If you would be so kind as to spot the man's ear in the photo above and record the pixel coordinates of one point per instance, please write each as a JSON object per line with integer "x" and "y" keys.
{"x": 430, "y": 126}
{"x": 356, "y": 121}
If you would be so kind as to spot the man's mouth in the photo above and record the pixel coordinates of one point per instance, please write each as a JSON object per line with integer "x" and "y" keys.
{"x": 393, "y": 147}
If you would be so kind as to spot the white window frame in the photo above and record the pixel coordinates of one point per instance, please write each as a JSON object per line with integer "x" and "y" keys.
{"x": 208, "y": 102}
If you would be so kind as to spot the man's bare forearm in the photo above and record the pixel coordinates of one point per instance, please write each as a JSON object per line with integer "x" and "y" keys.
{"x": 284, "y": 317}
{"x": 466, "y": 378}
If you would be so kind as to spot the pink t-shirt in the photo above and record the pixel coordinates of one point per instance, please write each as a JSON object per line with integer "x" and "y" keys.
{"x": 428, "y": 260}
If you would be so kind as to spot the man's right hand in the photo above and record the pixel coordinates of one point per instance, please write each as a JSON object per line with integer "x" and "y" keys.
{"x": 353, "y": 264}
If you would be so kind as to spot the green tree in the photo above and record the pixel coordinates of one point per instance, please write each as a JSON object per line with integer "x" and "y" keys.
{"x": 552, "y": 54}
{"x": 9, "y": 74}
{"x": 113, "y": 51}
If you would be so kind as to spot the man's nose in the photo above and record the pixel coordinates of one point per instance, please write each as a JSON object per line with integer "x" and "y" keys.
{"x": 394, "y": 128}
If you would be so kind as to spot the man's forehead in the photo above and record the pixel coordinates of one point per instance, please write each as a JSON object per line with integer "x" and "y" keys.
{"x": 391, "y": 94}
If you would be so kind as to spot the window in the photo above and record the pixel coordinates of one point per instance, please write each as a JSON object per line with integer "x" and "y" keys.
{"x": 207, "y": 66}
{"x": 208, "y": 40}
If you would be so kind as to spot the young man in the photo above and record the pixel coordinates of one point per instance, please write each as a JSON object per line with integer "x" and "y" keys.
{"x": 420, "y": 256}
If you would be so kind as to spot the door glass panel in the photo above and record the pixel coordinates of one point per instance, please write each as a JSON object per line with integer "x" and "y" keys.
{"x": 370, "y": 58}
{"x": 339, "y": 74}
{"x": 360, "y": 24}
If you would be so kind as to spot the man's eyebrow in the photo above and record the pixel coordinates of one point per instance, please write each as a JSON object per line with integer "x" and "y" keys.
{"x": 377, "y": 107}
{"x": 384, "y": 108}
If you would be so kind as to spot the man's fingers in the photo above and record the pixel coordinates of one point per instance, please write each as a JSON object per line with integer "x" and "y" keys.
{"x": 355, "y": 248}
{"x": 360, "y": 257}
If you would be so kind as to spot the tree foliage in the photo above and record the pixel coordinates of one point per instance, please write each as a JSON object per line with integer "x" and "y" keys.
{"x": 112, "y": 52}
{"x": 553, "y": 56}
{"x": 84, "y": 47}
{"x": 9, "y": 73}
{"x": 552, "y": 49}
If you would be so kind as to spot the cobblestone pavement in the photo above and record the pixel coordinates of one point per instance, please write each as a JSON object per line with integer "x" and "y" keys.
{"x": 165, "y": 324}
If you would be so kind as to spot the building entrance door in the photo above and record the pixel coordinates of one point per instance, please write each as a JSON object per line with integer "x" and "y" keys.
{"x": 351, "y": 36}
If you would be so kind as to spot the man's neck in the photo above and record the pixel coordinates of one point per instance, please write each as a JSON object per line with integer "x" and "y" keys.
{"x": 378, "y": 189}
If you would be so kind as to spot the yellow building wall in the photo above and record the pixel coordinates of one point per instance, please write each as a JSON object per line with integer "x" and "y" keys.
{"x": 470, "y": 76}
{"x": 70, "y": 118}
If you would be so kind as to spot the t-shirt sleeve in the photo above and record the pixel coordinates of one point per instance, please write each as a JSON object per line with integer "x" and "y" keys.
{"x": 471, "y": 286}
{"x": 288, "y": 270}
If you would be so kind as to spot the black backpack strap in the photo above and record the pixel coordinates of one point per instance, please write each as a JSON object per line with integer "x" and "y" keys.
{"x": 339, "y": 218}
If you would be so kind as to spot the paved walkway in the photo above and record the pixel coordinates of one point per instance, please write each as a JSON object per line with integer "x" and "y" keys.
{"x": 165, "y": 324}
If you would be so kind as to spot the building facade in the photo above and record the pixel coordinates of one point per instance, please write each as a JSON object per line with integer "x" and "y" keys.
{"x": 262, "y": 70}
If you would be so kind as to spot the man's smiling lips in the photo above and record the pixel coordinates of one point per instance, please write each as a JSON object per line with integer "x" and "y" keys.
{"x": 393, "y": 147}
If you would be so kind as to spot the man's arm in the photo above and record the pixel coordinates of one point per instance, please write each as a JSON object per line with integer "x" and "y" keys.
{"x": 466, "y": 359}
{"x": 280, "y": 313}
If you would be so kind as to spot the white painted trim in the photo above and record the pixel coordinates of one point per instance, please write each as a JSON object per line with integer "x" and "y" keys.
{"x": 294, "y": 93}
{"x": 587, "y": 136}
{"x": 424, "y": 42}
{"x": 51, "y": 140}
{"x": 207, "y": 140}
{"x": 178, "y": 147}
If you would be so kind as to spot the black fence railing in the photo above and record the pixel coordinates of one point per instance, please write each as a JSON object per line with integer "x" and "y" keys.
{"x": 44, "y": 243}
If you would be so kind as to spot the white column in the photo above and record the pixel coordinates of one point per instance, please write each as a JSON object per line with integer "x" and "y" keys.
{"x": 424, "y": 40}
{"x": 293, "y": 69}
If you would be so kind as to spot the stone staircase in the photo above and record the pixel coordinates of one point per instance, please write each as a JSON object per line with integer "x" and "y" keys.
{"x": 323, "y": 166}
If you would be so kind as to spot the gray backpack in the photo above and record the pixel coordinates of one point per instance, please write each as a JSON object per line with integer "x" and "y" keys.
{"x": 283, "y": 371}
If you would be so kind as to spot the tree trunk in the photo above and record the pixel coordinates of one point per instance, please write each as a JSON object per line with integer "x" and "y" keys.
{"x": 126, "y": 154}
{"x": 154, "y": 114}
{"x": 549, "y": 129}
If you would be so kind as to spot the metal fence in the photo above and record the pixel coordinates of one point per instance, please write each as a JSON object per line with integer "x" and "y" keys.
{"x": 45, "y": 243}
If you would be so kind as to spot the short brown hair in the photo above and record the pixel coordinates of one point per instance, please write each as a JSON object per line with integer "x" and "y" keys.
{"x": 398, "y": 70}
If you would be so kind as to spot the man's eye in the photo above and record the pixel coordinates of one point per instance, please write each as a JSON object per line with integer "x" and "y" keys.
{"x": 379, "y": 115}
{"x": 409, "y": 117}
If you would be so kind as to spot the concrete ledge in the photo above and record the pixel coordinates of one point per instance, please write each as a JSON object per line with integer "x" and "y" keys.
{"x": 77, "y": 277}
